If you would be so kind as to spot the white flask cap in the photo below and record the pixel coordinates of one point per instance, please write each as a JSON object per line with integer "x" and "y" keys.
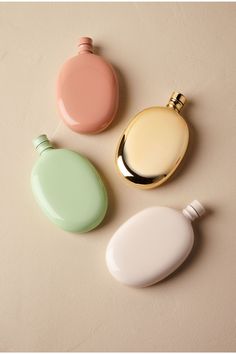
{"x": 194, "y": 210}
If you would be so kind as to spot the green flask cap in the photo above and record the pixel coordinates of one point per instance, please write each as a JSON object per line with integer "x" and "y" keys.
{"x": 41, "y": 143}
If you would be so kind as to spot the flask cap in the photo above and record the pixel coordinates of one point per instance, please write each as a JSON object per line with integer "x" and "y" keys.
{"x": 41, "y": 143}
{"x": 177, "y": 101}
{"x": 85, "y": 45}
{"x": 194, "y": 210}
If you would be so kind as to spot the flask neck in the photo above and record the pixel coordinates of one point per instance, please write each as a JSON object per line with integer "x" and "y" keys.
{"x": 42, "y": 144}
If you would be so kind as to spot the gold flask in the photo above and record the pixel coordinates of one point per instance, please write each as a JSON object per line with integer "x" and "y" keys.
{"x": 153, "y": 144}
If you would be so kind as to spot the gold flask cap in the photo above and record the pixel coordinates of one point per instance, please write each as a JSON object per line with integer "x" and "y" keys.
{"x": 177, "y": 101}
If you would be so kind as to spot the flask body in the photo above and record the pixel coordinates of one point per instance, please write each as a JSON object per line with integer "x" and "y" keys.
{"x": 149, "y": 246}
{"x": 69, "y": 190}
{"x": 152, "y": 147}
{"x": 87, "y": 93}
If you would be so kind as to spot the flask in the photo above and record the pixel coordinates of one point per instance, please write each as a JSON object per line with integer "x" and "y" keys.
{"x": 87, "y": 91}
{"x": 153, "y": 144}
{"x": 68, "y": 188}
{"x": 152, "y": 244}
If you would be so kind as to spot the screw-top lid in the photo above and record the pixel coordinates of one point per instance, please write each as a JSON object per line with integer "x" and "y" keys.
{"x": 85, "y": 45}
{"x": 194, "y": 210}
{"x": 177, "y": 101}
{"x": 41, "y": 143}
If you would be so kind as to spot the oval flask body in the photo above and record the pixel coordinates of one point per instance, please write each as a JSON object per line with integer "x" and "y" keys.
{"x": 152, "y": 146}
{"x": 87, "y": 91}
{"x": 69, "y": 190}
{"x": 151, "y": 244}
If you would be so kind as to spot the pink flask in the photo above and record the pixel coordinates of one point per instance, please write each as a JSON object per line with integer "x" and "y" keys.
{"x": 87, "y": 91}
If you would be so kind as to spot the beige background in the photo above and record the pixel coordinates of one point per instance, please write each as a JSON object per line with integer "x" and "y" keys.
{"x": 55, "y": 291}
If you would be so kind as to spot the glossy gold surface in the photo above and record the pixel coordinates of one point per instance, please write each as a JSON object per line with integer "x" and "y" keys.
{"x": 153, "y": 145}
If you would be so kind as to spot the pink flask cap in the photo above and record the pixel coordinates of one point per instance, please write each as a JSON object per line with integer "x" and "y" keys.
{"x": 85, "y": 45}
{"x": 87, "y": 91}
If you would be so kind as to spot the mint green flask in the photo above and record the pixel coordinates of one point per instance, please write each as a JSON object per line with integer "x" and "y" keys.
{"x": 68, "y": 188}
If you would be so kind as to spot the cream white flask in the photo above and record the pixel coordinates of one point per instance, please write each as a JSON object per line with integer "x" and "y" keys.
{"x": 152, "y": 244}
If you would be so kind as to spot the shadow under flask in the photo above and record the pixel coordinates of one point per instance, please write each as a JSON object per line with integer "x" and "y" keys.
{"x": 153, "y": 144}
{"x": 87, "y": 91}
{"x": 152, "y": 244}
{"x": 68, "y": 188}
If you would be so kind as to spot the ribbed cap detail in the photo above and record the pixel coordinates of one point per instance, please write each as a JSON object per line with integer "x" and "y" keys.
{"x": 41, "y": 143}
{"x": 177, "y": 101}
{"x": 85, "y": 45}
{"x": 194, "y": 210}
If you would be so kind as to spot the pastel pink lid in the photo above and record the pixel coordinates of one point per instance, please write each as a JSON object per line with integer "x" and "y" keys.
{"x": 87, "y": 91}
